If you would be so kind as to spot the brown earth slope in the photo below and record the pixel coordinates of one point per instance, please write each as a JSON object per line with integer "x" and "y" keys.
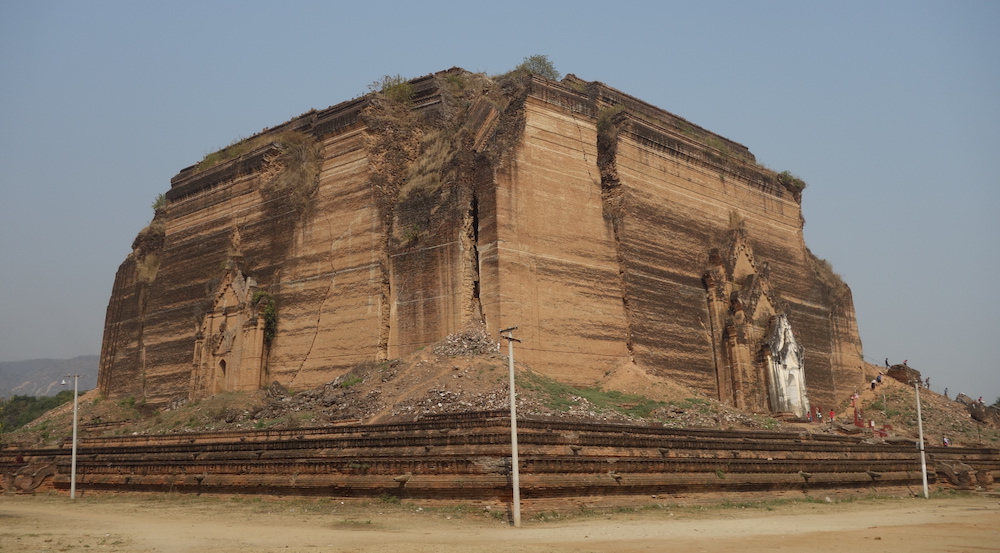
{"x": 465, "y": 372}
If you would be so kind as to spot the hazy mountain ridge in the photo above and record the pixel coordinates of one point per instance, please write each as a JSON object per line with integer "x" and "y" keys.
{"x": 42, "y": 377}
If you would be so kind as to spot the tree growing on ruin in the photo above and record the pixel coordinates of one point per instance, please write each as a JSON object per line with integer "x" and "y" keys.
{"x": 539, "y": 65}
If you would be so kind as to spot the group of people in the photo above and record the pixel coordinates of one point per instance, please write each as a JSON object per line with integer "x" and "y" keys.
{"x": 816, "y": 415}
{"x": 877, "y": 381}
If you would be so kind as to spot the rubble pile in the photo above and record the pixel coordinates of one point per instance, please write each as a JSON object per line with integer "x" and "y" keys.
{"x": 471, "y": 341}
{"x": 451, "y": 378}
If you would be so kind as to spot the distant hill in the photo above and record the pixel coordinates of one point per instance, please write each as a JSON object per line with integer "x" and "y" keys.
{"x": 42, "y": 377}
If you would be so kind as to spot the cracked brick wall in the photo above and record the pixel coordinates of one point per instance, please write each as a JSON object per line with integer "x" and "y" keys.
{"x": 497, "y": 204}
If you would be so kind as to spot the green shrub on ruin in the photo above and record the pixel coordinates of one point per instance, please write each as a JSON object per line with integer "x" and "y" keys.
{"x": 791, "y": 182}
{"x": 235, "y": 149}
{"x": 718, "y": 144}
{"x": 241, "y": 146}
{"x": 394, "y": 87}
{"x": 265, "y": 304}
{"x": 352, "y": 380}
{"x": 424, "y": 174}
{"x": 606, "y": 120}
{"x": 539, "y": 65}
{"x": 457, "y": 81}
{"x": 293, "y": 184}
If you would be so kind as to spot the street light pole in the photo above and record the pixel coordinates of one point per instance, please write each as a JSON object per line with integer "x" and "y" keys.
{"x": 920, "y": 444}
{"x": 72, "y": 470}
{"x": 515, "y": 469}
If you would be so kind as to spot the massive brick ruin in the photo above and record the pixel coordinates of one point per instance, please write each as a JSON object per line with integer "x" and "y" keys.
{"x": 609, "y": 231}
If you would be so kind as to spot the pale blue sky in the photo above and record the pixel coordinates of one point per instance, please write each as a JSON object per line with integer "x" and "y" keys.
{"x": 889, "y": 110}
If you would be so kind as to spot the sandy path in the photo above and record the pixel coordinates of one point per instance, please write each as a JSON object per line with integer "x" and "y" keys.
{"x": 181, "y": 525}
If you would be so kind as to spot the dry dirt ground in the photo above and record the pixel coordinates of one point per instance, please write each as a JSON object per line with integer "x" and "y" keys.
{"x": 176, "y": 524}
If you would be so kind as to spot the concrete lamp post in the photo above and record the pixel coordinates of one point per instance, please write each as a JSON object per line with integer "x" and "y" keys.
{"x": 508, "y": 334}
{"x": 920, "y": 443}
{"x": 72, "y": 476}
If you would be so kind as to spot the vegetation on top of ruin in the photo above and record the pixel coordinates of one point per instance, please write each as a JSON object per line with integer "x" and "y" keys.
{"x": 824, "y": 270}
{"x": 540, "y": 65}
{"x": 791, "y": 182}
{"x": 606, "y": 123}
{"x": 235, "y": 149}
{"x": 393, "y": 141}
{"x": 159, "y": 202}
{"x": 437, "y": 147}
{"x": 393, "y": 87}
{"x": 242, "y": 146}
{"x": 718, "y": 144}
{"x": 296, "y": 178}
{"x": 417, "y": 158}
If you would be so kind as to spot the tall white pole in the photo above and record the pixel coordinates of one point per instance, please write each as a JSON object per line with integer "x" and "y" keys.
{"x": 515, "y": 469}
{"x": 920, "y": 444}
{"x": 72, "y": 476}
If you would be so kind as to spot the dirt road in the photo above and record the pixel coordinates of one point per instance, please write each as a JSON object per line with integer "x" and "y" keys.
{"x": 181, "y": 524}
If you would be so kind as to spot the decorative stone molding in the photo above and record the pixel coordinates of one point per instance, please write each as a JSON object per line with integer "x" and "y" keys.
{"x": 229, "y": 345}
{"x": 759, "y": 362}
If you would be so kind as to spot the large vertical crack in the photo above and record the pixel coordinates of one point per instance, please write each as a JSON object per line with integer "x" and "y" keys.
{"x": 609, "y": 122}
{"x": 472, "y": 310}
